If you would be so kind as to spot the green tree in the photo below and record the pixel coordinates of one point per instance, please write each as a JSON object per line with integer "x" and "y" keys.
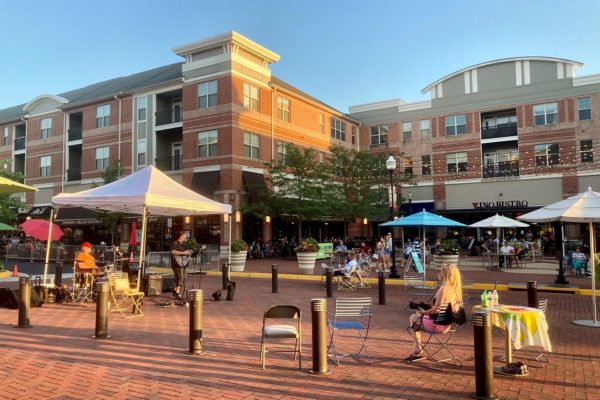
{"x": 8, "y": 202}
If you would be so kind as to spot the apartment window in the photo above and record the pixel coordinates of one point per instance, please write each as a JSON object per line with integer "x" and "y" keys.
{"x": 353, "y": 134}
{"x": 584, "y": 107}
{"x": 5, "y": 137}
{"x": 379, "y": 134}
{"x": 338, "y": 129}
{"x": 142, "y": 107}
{"x": 281, "y": 152}
{"x": 406, "y": 132}
{"x": 103, "y": 116}
{"x": 426, "y": 165}
{"x": 142, "y": 151}
{"x": 407, "y": 165}
{"x": 207, "y": 94}
{"x": 251, "y": 145}
{"x": 46, "y": 128}
{"x": 425, "y": 129}
{"x": 547, "y": 154}
{"x": 102, "y": 155}
{"x": 457, "y": 162}
{"x": 545, "y": 114}
{"x": 321, "y": 123}
{"x": 45, "y": 164}
{"x": 283, "y": 109}
{"x": 456, "y": 125}
{"x": 208, "y": 144}
{"x": 251, "y": 97}
{"x": 587, "y": 154}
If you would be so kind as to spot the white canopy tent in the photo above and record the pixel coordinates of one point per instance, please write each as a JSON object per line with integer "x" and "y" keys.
{"x": 146, "y": 192}
{"x": 499, "y": 221}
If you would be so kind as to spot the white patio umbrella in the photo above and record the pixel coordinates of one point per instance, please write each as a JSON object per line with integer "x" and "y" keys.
{"x": 499, "y": 221}
{"x": 582, "y": 208}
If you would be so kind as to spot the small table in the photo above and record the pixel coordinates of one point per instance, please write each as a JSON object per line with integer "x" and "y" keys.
{"x": 339, "y": 257}
{"x": 506, "y": 258}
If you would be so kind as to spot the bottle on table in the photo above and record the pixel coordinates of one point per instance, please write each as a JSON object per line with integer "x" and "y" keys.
{"x": 484, "y": 298}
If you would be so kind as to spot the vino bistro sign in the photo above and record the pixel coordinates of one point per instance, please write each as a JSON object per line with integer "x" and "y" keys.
{"x": 501, "y": 204}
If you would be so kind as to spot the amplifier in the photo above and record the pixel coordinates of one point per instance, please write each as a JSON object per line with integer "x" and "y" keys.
{"x": 154, "y": 285}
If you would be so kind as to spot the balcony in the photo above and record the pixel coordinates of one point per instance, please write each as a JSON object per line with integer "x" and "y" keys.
{"x": 20, "y": 143}
{"x": 502, "y": 169}
{"x": 168, "y": 117}
{"x": 75, "y": 134}
{"x": 73, "y": 175}
{"x": 499, "y": 131}
{"x": 174, "y": 163}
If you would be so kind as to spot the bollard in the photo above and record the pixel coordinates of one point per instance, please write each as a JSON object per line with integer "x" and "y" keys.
{"x": 274, "y": 277}
{"x": 329, "y": 282}
{"x": 230, "y": 290}
{"x": 101, "y": 311}
{"x": 318, "y": 309}
{"x": 381, "y": 282}
{"x": 58, "y": 274}
{"x": 484, "y": 368}
{"x": 24, "y": 302}
{"x": 195, "y": 298}
{"x": 532, "y": 300}
{"x": 224, "y": 275}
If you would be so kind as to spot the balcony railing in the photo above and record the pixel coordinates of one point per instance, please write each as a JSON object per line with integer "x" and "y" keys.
{"x": 499, "y": 131}
{"x": 73, "y": 175}
{"x": 20, "y": 143}
{"x": 505, "y": 168}
{"x": 168, "y": 116}
{"x": 174, "y": 163}
{"x": 75, "y": 134}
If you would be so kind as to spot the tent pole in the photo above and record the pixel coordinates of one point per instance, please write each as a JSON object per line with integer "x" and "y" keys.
{"x": 48, "y": 245}
{"x": 230, "y": 223}
{"x": 593, "y": 257}
{"x": 142, "y": 245}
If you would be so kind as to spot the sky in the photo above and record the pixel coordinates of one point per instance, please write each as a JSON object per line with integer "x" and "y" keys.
{"x": 343, "y": 53}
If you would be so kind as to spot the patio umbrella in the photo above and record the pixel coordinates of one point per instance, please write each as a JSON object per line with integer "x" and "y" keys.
{"x": 499, "y": 221}
{"x": 9, "y": 186}
{"x": 583, "y": 207}
{"x": 132, "y": 240}
{"x": 5, "y": 227}
{"x": 38, "y": 228}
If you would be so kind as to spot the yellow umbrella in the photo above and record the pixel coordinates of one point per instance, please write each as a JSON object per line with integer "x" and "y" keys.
{"x": 8, "y": 186}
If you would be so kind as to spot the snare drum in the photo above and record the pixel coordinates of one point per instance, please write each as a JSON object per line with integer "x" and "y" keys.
{"x": 83, "y": 279}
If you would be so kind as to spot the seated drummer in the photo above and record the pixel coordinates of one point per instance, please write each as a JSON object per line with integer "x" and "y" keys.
{"x": 85, "y": 261}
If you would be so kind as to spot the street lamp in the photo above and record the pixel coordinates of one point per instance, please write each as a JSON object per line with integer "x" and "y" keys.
{"x": 390, "y": 164}
{"x": 409, "y": 203}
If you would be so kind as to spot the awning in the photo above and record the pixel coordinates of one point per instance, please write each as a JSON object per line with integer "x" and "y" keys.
{"x": 39, "y": 212}
{"x": 253, "y": 182}
{"x": 206, "y": 183}
{"x": 76, "y": 216}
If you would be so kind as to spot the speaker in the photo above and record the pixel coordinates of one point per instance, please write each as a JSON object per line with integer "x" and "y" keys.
{"x": 36, "y": 300}
{"x": 9, "y": 299}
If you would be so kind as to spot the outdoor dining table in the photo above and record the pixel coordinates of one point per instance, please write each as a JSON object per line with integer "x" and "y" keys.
{"x": 494, "y": 260}
{"x": 523, "y": 326}
{"x": 339, "y": 257}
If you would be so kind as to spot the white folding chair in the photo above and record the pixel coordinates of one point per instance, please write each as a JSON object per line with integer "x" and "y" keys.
{"x": 351, "y": 314}
{"x": 280, "y": 331}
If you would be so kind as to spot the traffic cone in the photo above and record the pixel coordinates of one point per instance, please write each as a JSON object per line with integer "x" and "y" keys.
{"x": 15, "y": 270}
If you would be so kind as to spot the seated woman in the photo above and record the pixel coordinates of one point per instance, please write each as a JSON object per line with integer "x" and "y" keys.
{"x": 351, "y": 269}
{"x": 578, "y": 260}
{"x": 449, "y": 292}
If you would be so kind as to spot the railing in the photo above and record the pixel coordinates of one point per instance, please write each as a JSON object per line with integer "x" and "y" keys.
{"x": 20, "y": 143}
{"x": 37, "y": 252}
{"x": 73, "y": 175}
{"x": 159, "y": 262}
{"x": 168, "y": 116}
{"x": 500, "y": 131}
{"x": 75, "y": 134}
{"x": 505, "y": 168}
{"x": 174, "y": 163}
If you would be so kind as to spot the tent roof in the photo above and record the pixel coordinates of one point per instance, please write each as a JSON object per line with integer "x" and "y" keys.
{"x": 148, "y": 187}
{"x": 499, "y": 221}
{"x": 423, "y": 218}
{"x": 10, "y": 186}
{"x": 583, "y": 207}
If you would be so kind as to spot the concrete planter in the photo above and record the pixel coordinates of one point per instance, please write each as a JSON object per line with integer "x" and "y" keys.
{"x": 238, "y": 260}
{"x": 306, "y": 263}
{"x": 439, "y": 260}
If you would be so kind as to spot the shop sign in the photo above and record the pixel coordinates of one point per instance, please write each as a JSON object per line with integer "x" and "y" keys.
{"x": 501, "y": 204}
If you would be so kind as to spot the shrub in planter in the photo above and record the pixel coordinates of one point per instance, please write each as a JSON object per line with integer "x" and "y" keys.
{"x": 308, "y": 245}
{"x": 447, "y": 247}
{"x": 239, "y": 245}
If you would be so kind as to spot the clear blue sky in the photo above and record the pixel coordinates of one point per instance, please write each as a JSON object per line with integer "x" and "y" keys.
{"x": 342, "y": 52}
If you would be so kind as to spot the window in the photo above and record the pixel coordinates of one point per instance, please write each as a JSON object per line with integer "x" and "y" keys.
{"x": 251, "y": 97}
{"x": 103, "y": 116}
{"x": 546, "y": 154}
{"x": 5, "y": 137}
{"x": 142, "y": 153}
{"x": 102, "y": 155}
{"x": 587, "y": 154}
{"x": 545, "y": 114}
{"x": 379, "y": 134}
{"x": 46, "y": 128}
{"x": 584, "y": 107}
{"x": 142, "y": 106}
{"x": 45, "y": 164}
{"x": 251, "y": 145}
{"x": 207, "y": 94}
{"x": 281, "y": 152}
{"x": 208, "y": 144}
{"x": 426, "y": 165}
{"x": 407, "y": 164}
{"x": 283, "y": 109}
{"x": 457, "y": 162}
{"x": 456, "y": 125}
{"x": 338, "y": 129}
{"x": 425, "y": 130}
{"x": 406, "y": 132}
{"x": 353, "y": 134}
{"x": 321, "y": 123}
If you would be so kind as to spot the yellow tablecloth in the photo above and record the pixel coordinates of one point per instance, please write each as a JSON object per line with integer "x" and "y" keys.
{"x": 527, "y": 326}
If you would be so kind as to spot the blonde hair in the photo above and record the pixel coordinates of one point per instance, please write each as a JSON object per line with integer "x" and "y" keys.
{"x": 451, "y": 277}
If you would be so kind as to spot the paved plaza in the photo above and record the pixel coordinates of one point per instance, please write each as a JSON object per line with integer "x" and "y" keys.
{"x": 147, "y": 357}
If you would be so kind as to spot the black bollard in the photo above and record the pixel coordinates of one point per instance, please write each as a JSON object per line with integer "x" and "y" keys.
{"x": 101, "y": 311}
{"x": 484, "y": 368}
{"x": 58, "y": 274}
{"x": 195, "y": 298}
{"x": 532, "y": 300}
{"x": 24, "y": 302}
{"x": 329, "y": 282}
{"x": 318, "y": 309}
{"x": 230, "y": 290}
{"x": 274, "y": 277}
{"x": 224, "y": 275}
{"x": 381, "y": 282}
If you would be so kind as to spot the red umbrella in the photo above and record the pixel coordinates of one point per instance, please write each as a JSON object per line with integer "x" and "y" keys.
{"x": 38, "y": 228}
{"x": 133, "y": 235}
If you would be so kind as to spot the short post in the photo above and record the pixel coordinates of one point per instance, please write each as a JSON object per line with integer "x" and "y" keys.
{"x": 329, "y": 282}
{"x": 101, "y": 311}
{"x": 381, "y": 282}
{"x": 230, "y": 290}
{"x": 195, "y": 298}
{"x": 24, "y": 302}
{"x": 274, "y": 277}
{"x": 318, "y": 309}
{"x": 532, "y": 300}
{"x": 224, "y": 275}
{"x": 484, "y": 368}
{"x": 58, "y": 274}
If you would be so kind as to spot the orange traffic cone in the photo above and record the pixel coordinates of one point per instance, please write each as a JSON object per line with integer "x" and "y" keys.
{"x": 131, "y": 258}
{"x": 15, "y": 270}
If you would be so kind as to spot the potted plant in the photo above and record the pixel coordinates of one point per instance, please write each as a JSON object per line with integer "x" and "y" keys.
{"x": 239, "y": 253}
{"x": 307, "y": 255}
{"x": 446, "y": 253}
{"x": 3, "y": 272}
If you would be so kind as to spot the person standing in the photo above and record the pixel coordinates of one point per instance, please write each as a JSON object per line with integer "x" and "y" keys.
{"x": 178, "y": 263}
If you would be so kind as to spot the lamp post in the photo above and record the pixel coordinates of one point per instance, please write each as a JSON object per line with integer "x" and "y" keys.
{"x": 390, "y": 164}
{"x": 409, "y": 203}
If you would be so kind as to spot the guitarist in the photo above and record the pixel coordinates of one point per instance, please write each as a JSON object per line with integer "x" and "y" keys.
{"x": 178, "y": 262}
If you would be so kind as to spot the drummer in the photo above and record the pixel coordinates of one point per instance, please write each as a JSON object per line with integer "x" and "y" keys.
{"x": 85, "y": 261}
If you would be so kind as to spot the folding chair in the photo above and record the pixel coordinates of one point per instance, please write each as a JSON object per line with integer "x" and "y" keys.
{"x": 438, "y": 340}
{"x": 415, "y": 285}
{"x": 365, "y": 266}
{"x": 324, "y": 268}
{"x": 351, "y": 314}
{"x": 533, "y": 352}
{"x": 121, "y": 292}
{"x": 279, "y": 331}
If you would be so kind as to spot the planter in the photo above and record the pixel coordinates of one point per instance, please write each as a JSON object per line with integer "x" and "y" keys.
{"x": 306, "y": 263}
{"x": 439, "y": 260}
{"x": 238, "y": 260}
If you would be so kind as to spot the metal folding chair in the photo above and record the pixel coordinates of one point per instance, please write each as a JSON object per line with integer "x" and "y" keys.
{"x": 282, "y": 331}
{"x": 351, "y": 314}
